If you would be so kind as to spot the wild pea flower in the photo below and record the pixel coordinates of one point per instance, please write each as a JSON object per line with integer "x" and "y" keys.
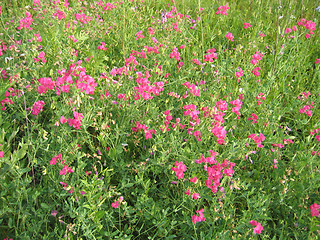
{"x": 317, "y": 61}
{"x": 256, "y": 57}
{"x": 199, "y": 218}
{"x": 314, "y": 209}
{"x": 230, "y": 37}
{"x": 256, "y": 72}
{"x": 115, "y": 204}
{"x": 37, "y": 107}
{"x": 307, "y": 109}
{"x": 237, "y": 106}
{"x": 258, "y": 228}
{"x": 257, "y": 139}
{"x": 1, "y": 154}
{"x": 274, "y": 163}
{"x": 175, "y": 54}
{"x": 222, "y": 10}
{"x": 76, "y": 121}
{"x": 54, "y": 159}
{"x": 261, "y": 96}
{"x": 102, "y": 46}
{"x": 254, "y": 118}
{"x": 151, "y": 30}
{"x": 180, "y": 169}
{"x": 194, "y": 179}
{"x": 139, "y": 35}
{"x": 239, "y": 74}
{"x": 195, "y": 196}
{"x": 247, "y": 25}
{"x": 66, "y": 170}
{"x": 222, "y": 105}
{"x": 25, "y": 22}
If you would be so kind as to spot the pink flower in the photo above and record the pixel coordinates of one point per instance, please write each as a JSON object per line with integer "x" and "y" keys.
{"x": 115, "y": 204}
{"x": 200, "y": 218}
{"x": 195, "y": 196}
{"x": 1, "y": 154}
{"x": 188, "y": 192}
{"x": 247, "y": 25}
{"x": 37, "y": 107}
{"x": 258, "y": 228}
{"x": 314, "y": 208}
{"x": 230, "y": 37}
{"x": 317, "y": 61}
{"x": 63, "y": 119}
{"x": 194, "y": 179}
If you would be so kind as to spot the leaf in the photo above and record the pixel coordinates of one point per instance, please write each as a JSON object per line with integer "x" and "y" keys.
{"x": 44, "y": 205}
{"x": 99, "y": 215}
{"x": 21, "y": 152}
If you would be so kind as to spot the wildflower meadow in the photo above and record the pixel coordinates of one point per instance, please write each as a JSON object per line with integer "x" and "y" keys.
{"x": 167, "y": 119}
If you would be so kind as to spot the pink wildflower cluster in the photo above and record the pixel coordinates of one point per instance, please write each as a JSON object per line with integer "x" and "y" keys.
{"x": 315, "y": 153}
{"x": 81, "y": 17}
{"x": 237, "y": 106}
{"x": 195, "y": 196}
{"x": 25, "y": 22}
{"x": 65, "y": 168}
{"x": 256, "y": 57}
{"x": 258, "y": 228}
{"x": 116, "y": 203}
{"x": 180, "y": 169}
{"x": 222, "y": 10}
{"x": 76, "y": 121}
{"x": 316, "y": 62}
{"x": 314, "y": 208}
{"x": 256, "y": 72}
{"x": 37, "y": 107}
{"x": 73, "y": 38}
{"x": 37, "y": 38}
{"x": 307, "y": 25}
{"x": 218, "y": 130}
{"x": 257, "y": 139}
{"x": 151, "y": 31}
{"x": 106, "y": 7}
{"x": 315, "y": 132}
{"x": 193, "y": 112}
{"x": 211, "y": 54}
{"x": 60, "y": 14}
{"x": 215, "y": 174}
{"x": 230, "y": 37}
{"x": 5, "y": 101}
{"x": 83, "y": 82}
{"x": 307, "y": 109}
{"x": 167, "y": 122}
{"x": 147, "y": 132}
{"x": 199, "y": 218}
{"x": 246, "y": 25}
{"x": 239, "y": 74}
{"x": 102, "y": 46}
{"x": 279, "y": 145}
{"x": 261, "y": 96}
{"x": 175, "y": 54}
{"x": 42, "y": 57}
{"x": 196, "y": 61}
{"x": 193, "y": 89}
{"x": 139, "y": 35}
{"x": 145, "y": 89}
{"x": 254, "y": 118}
{"x": 3, "y": 48}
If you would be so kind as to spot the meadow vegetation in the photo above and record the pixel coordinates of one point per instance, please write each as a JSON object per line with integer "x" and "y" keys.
{"x": 159, "y": 119}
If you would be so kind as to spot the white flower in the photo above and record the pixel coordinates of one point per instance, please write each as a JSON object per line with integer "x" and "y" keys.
{"x": 318, "y": 8}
